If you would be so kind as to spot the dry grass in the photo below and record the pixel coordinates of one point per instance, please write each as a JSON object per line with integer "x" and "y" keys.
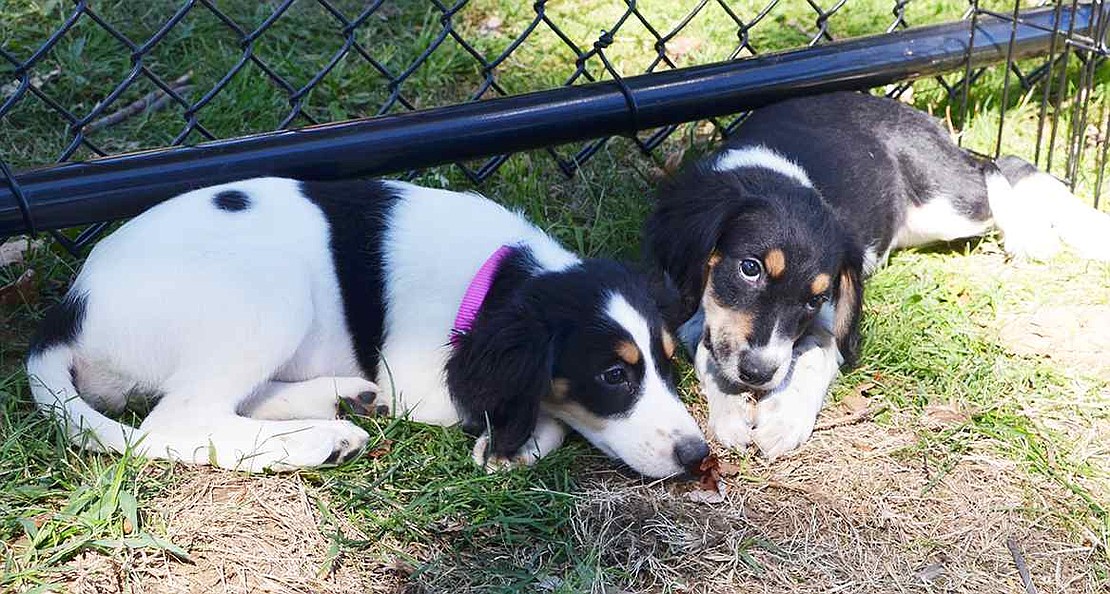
{"x": 243, "y": 534}
{"x": 850, "y": 512}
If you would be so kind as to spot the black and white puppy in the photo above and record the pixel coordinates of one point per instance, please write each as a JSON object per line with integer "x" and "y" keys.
{"x": 769, "y": 239}
{"x": 248, "y": 311}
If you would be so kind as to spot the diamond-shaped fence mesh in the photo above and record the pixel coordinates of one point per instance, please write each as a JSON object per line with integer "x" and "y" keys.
{"x": 93, "y": 79}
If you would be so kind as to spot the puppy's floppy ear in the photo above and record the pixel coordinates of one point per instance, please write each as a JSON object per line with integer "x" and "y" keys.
{"x": 498, "y": 374}
{"x": 691, "y": 212}
{"x": 849, "y": 305}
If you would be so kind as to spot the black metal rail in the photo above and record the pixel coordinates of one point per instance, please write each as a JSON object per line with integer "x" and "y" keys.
{"x": 121, "y": 186}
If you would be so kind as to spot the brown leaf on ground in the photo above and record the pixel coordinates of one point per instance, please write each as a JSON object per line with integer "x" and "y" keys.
{"x": 14, "y": 251}
{"x": 383, "y": 448}
{"x": 938, "y": 416}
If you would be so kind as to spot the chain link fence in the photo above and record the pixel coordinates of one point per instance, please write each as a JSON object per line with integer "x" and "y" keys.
{"x": 95, "y": 79}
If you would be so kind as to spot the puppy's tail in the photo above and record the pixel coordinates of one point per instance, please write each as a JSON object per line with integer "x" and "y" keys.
{"x": 1040, "y": 211}
{"x": 52, "y": 386}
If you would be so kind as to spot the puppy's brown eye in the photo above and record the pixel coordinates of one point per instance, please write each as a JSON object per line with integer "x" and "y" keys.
{"x": 614, "y": 376}
{"x": 750, "y": 268}
{"x": 816, "y": 302}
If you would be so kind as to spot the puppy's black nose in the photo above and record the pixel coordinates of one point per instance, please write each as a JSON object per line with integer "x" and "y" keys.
{"x": 691, "y": 452}
{"x": 755, "y": 374}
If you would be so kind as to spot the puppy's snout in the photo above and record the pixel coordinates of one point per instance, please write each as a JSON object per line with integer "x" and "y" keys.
{"x": 691, "y": 452}
{"x": 755, "y": 372}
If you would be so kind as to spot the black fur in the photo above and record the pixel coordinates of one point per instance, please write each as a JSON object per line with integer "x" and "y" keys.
{"x": 231, "y": 201}
{"x": 535, "y": 327}
{"x": 61, "y": 325}
{"x": 358, "y": 214}
{"x": 869, "y": 159}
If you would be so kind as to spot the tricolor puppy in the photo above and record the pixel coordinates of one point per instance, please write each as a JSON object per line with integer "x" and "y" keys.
{"x": 248, "y": 311}
{"x": 769, "y": 240}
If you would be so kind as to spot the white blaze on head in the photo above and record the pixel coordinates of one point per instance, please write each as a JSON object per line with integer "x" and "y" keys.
{"x": 761, "y": 157}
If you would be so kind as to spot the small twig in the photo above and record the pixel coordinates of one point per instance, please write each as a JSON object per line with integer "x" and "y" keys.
{"x": 152, "y": 101}
{"x": 851, "y": 419}
{"x": 1023, "y": 569}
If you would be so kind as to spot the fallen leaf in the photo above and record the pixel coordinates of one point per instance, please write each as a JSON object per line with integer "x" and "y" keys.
{"x": 930, "y": 572}
{"x": 943, "y": 415}
{"x": 707, "y": 497}
{"x": 22, "y": 290}
{"x": 709, "y": 473}
{"x": 728, "y": 469}
{"x": 15, "y": 250}
{"x": 383, "y": 448}
{"x": 710, "y": 489}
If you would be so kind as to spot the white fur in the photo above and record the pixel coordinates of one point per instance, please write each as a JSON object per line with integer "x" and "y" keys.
{"x": 214, "y": 283}
{"x": 731, "y": 416}
{"x": 210, "y": 354}
{"x": 1025, "y": 224}
{"x": 934, "y": 220}
{"x": 760, "y": 156}
{"x": 785, "y": 417}
{"x": 546, "y": 437}
{"x": 646, "y": 437}
{"x": 434, "y": 241}
{"x": 1059, "y": 217}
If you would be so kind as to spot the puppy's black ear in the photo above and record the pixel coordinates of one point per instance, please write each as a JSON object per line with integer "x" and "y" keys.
{"x": 691, "y": 212}
{"x": 849, "y": 304}
{"x": 498, "y": 374}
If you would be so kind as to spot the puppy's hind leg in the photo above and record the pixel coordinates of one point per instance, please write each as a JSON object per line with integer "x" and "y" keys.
{"x": 317, "y": 398}
{"x": 196, "y": 422}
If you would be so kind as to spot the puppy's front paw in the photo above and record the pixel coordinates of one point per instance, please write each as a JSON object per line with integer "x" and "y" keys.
{"x": 496, "y": 463}
{"x": 730, "y": 429}
{"x": 782, "y": 431}
{"x": 731, "y": 422}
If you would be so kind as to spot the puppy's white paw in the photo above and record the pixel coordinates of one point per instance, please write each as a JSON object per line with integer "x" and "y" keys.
{"x": 319, "y": 443}
{"x": 493, "y": 463}
{"x": 731, "y": 421}
{"x": 782, "y": 431}
{"x": 1040, "y": 243}
{"x": 364, "y": 398}
{"x": 785, "y": 417}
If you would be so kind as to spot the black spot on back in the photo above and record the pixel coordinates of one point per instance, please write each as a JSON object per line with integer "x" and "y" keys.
{"x": 231, "y": 201}
{"x": 358, "y": 217}
{"x": 61, "y": 324}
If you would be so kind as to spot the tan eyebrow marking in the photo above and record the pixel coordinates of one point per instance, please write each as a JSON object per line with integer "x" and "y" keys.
{"x": 668, "y": 344}
{"x": 628, "y": 352}
{"x": 775, "y": 263}
{"x": 820, "y": 284}
{"x": 714, "y": 258}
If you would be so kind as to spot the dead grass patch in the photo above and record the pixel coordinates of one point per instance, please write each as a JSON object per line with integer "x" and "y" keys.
{"x": 243, "y": 534}
{"x": 852, "y": 511}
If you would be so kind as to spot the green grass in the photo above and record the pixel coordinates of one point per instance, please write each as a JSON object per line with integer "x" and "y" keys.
{"x": 929, "y": 328}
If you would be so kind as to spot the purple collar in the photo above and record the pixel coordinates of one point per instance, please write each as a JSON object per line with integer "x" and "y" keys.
{"x": 476, "y": 293}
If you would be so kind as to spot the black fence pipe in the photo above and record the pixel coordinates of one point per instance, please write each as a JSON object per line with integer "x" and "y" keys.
{"x": 121, "y": 186}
